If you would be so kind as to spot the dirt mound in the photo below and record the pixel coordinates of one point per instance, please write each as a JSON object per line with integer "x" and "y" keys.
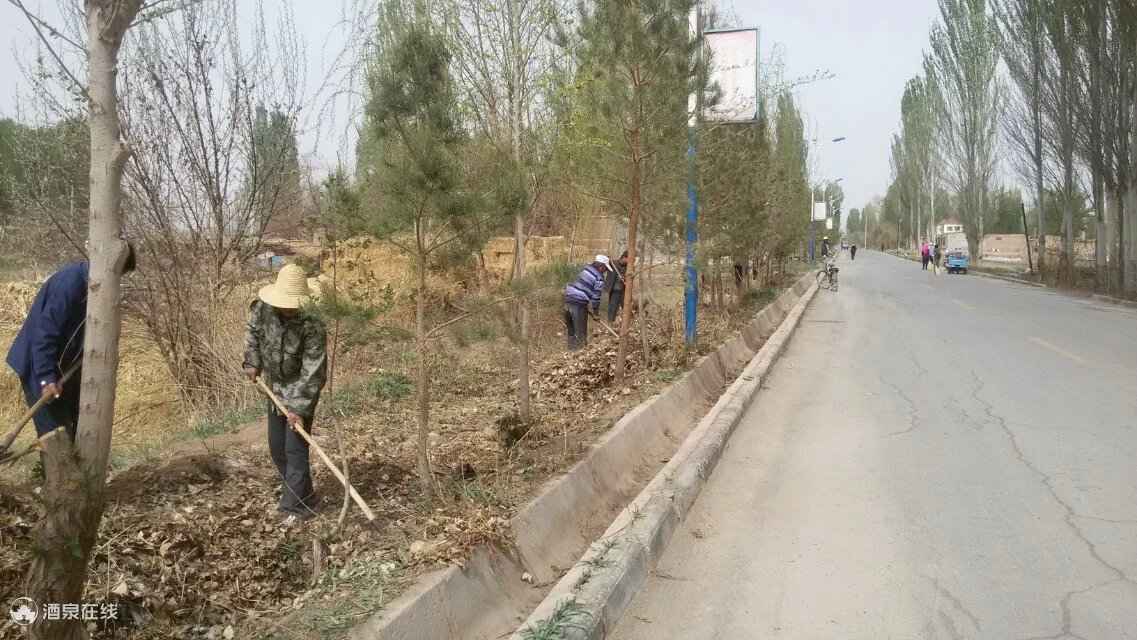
{"x": 372, "y": 271}
{"x": 539, "y": 250}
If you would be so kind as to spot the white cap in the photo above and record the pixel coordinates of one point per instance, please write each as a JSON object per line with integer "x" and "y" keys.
{"x": 603, "y": 259}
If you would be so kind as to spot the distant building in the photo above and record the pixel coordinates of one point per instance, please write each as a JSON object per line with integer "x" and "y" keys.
{"x": 950, "y": 225}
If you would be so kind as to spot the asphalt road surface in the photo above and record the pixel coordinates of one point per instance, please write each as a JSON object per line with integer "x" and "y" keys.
{"x": 933, "y": 457}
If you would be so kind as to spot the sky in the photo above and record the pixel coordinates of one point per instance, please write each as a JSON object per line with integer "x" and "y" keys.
{"x": 871, "y": 47}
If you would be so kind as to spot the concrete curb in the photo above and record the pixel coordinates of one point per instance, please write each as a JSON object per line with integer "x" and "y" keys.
{"x": 488, "y": 598}
{"x": 589, "y": 600}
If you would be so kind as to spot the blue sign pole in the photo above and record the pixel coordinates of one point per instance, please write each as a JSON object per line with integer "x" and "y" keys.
{"x": 691, "y": 292}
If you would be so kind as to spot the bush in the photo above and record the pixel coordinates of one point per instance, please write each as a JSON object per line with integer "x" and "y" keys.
{"x": 389, "y": 386}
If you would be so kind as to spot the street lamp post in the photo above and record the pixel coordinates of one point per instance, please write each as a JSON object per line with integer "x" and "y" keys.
{"x": 812, "y": 222}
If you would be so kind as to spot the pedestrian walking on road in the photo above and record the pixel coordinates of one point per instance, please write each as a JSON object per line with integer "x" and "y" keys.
{"x": 288, "y": 347}
{"x": 924, "y": 255}
{"x": 614, "y": 282}
{"x": 582, "y": 298}
{"x": 853, "y": 252}
{"x": 51, "y": 341}
{"x": 937, "y": 255}
{"x": 825, "y": 247}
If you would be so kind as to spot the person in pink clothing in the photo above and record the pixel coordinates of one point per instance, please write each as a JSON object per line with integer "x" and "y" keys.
{"x": 924, "y": 254}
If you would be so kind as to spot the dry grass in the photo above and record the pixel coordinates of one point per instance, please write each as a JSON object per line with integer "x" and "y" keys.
{"x": 481, "y": 477}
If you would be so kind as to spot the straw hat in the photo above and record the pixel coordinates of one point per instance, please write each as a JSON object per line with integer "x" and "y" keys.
{"x": 289, "y": 291}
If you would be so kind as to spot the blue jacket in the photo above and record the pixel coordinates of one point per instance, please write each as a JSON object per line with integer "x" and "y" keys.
{"x": 52, "y": 336}
{"x": 587, "y": 288}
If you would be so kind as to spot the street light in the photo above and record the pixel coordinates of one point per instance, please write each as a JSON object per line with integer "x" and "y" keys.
{"x": 812, "y": 222}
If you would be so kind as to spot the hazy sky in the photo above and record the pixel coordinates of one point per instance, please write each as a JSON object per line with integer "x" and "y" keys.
{"x": 872, "y": 48}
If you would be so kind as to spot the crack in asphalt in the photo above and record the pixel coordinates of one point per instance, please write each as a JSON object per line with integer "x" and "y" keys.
{"x": 1107, "y": 520}
{"x": 953, "y": 404}
{"x": 1069, "y": 519}
{"x": 916, "y": 361}
{"x": 1067, "y": 616}
{"x": 1047, "y": 481}
{"x": 913, "y": 412}
{"x": 946, "y": 594}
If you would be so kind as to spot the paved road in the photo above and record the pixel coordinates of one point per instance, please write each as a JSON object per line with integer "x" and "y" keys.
{"x": 934, "y": 457}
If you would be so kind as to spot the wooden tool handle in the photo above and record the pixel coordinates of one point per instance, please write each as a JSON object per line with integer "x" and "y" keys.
{"x": 319, "y": 451}
{"x": 11, "y": 436}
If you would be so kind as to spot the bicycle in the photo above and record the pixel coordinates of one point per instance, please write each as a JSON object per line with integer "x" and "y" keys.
{"x": 827, "y": 276}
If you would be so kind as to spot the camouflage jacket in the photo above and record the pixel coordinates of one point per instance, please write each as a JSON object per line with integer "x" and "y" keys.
{"x": 291, "y": 355}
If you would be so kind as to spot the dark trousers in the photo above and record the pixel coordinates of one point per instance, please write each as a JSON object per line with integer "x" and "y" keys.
{"x": 925, "y": 259}
{"x": 576, "y": 325}
{"x": 60, "y": 412}
{"x": 853, "y": 253}
{"x": 290, "y": 455}
{"x": 615, "y": 303}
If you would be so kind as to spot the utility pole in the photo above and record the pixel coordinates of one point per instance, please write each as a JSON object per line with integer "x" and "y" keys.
{"x": 691, "y": 290}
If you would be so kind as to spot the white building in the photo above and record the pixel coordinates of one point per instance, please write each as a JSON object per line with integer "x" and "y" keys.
{"x": 950, "y": 225}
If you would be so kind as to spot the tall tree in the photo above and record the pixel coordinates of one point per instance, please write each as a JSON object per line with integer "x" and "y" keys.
{"x": 274, "y": 166}
{"x": 964, "y": 63}
{"x": 1023, "y": 41}
{"x": 1062, "y": 92}
{"x": 790, "y": 190}
{"x": 415, "y": 188}
{"x": 75, "y": 473}
{"x": 639, "y": 63}
{"x": 209, "y": 172}
{"x": 1092, "y": 23}
{"x": 918, "y": 123}
{"x": 503, "y": 62}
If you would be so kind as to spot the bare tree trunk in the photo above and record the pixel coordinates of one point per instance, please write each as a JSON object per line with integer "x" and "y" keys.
{"x": 631, "y": 271}
{"x": 423, "y": 381}
{"x": 75, "y": 475}
{"x": 333, "y": 357}
{"x": 1036, "y": 112}
{"x": 523, "y": 404}
{"x": 645, "y": 344}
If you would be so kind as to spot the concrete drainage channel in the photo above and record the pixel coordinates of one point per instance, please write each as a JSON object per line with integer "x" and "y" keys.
{"x": 488, "y": 598}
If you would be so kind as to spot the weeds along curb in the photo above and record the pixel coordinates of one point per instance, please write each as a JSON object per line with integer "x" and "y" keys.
{"x": 488, "y": 598}
{"x": 588, "y": 601}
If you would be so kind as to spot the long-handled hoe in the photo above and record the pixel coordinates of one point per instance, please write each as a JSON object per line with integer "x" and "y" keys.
{"x": 320, "y": 452}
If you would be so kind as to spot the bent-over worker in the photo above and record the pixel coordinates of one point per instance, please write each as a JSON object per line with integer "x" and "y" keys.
{"x": 288, "y": 347}
{"x": 51, "y": 341}
{"x": 582, "y": 293}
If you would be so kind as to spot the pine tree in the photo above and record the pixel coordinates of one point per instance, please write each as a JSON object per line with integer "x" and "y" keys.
{"x": 413, "y": 174}
{"x": 637, "y": 64}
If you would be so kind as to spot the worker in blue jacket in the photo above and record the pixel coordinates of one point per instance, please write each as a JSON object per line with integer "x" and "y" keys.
{"x": 50, "y": 342}
{"x": 582, "y": 293}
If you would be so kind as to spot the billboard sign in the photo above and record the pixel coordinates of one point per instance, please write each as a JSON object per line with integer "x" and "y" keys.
{"x": 734, "y": 69}
{"x": 820, "y": 211}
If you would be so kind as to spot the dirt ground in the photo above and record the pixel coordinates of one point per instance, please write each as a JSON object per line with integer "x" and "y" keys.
{"x": 191, "y": 547}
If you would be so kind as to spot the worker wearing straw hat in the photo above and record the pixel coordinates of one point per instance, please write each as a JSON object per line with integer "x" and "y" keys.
{"x": 288, "y": 347}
